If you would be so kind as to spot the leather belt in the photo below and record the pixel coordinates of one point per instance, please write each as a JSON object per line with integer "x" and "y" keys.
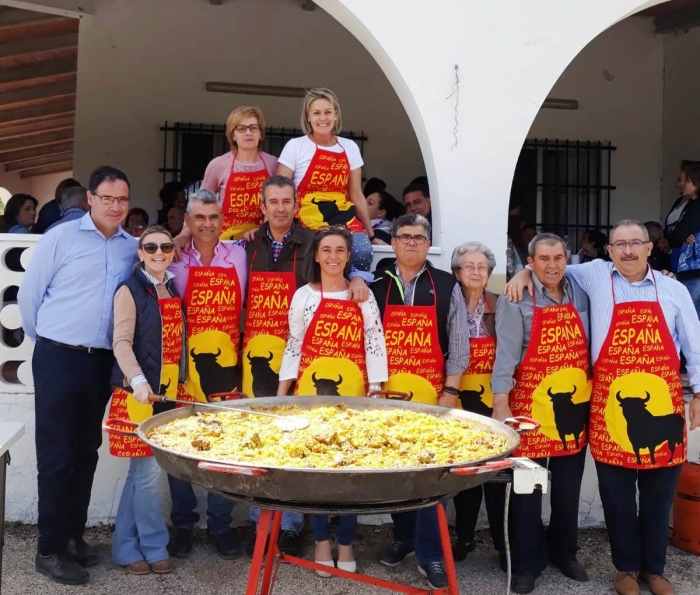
{"x": 74, "y": 347}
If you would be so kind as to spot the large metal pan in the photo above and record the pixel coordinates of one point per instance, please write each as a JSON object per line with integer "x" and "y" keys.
{"x": 327, "y": 486}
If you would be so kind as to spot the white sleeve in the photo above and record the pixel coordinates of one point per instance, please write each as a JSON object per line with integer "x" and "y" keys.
{"x": 290, "y": 154}
{"x": 353, "y": 153}
{"x": 375, "y": 347}
{"x": 297, "y": 329}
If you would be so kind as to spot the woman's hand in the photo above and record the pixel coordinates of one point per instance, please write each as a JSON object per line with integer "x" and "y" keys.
{"x": 378, "y": 242}
{"x": 142, "y": 393}
{"x": 694, "y": 412}
{"x": 690, "y": 239}
{"x": 249, "y": 235}
{"x": 182, "y": 244}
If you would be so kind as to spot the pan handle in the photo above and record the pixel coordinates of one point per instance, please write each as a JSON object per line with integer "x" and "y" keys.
{"x": 108, "y": 426}
{"x": 389, "y": 394}
{"x": 230, "y": 396}
{"x": 522, "y": 424}
{"x": 492, "y": 467}
{"x": 231, "y": 469}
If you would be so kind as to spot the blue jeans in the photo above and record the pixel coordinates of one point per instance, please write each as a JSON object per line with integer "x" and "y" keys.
{"x": 693, "y": 287}
{"x": 140, "y": 532}
{"x": 291, "y": 521}
{"x": 344, "y": 532}
{"x": 419, "y": 529}
{"x": 183, "y": 515}
{"x": 361, "y": 255}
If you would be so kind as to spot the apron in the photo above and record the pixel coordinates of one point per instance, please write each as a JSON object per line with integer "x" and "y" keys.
{"x": 416, "y": 361}
{"x": 333, "y": 352}
{"x": 266, "y": 327}
{"x": 637, "y": 409}
{"x": 552, "y": 384}
{"x": 125, "y": 406}
{"x": 241, "y": 204}
{"x": 213, "y": 304}
{"x": 323, "y": 192}
{"x": 475, "y": 386}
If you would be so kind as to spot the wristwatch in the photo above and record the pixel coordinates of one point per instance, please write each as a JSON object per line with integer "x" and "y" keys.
{"x": 451, "y": 390}
{"x": 372, "y": 238}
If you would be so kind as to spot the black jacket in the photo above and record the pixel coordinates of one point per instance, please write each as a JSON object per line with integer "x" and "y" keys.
{"x": 688, "y": 224}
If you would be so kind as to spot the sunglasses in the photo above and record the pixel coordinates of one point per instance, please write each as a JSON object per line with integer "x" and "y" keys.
{"x": 166, "y": 248}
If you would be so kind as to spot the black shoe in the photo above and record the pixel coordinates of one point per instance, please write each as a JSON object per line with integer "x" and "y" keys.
{"x": 250, "y": 547}
{"x": 396, "y": 553}
{"x": 461, "y": 549}
{"x": 435, "y": 573}
{"x": 289, "y": 542}
{"x": 503, "y": 561}
{"x": 522, "y": 583}
{"x": 227, "y": 546}
{"x": 82, "y": 553}
{"x": 180, "y": 544}
{"x": 62, "y": 569}
{"x": 573, "y": 569}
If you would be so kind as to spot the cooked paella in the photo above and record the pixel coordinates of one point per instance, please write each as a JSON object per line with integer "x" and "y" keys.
{"x": 337, "y": 437}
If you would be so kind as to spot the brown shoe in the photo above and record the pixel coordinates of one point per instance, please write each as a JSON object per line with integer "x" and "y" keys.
{"x": 627, "y": 583}
{"x": 658, "y": 584}
{"x": 163, "y": 566}
{"x": 140, "y": 567}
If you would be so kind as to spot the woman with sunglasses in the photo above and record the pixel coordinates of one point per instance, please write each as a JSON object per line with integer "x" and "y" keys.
{"x": 335, "y": 347}
{"x": 148, "y": 347}
{"x": 237, "y": 176}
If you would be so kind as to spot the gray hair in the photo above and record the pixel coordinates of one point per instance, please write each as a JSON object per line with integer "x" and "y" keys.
{"x": 548, "y": 239}
{"x": 468, "y": 247}
{"x": 75, "y": 196}
{"x": 203, "y": 196}
{"x": 630, "y": 223}
{"x": 411, "y": 219}
{"x": 279, "y": 181}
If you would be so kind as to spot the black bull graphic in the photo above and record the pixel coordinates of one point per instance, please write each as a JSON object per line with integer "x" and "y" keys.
{"x": 164, "y": 387}
{"x": 326, "y": 386}
{"x": 213, "y": 377}
{"x": 332, "y": 214}
{"x": 570, "y": 418}
{"x": 265, "y": 379}
{"x": 471, "y": 401}
{"x": 646, "y": 430}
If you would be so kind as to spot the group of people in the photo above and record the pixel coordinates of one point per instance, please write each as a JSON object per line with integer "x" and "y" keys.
{"x": 291, "y": 239}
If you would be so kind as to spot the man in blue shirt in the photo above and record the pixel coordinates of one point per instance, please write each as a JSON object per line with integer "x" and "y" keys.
{"x": 66, "y": 305}
{"x": 74, "y": 205}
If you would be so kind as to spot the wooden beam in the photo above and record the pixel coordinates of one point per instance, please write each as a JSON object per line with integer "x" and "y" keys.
{"x": 65, "y": 8}
{"x": 35, "y": 29}
{"x": 37, "y": 47}
{"x": 36, "y": 95}
{"x": 36, "y": 152}
{"x": 24, "y": 115}
{"x": 52, "y": 125}
{"x": 49, "y": 169}
{"x": 10, "y": 17}
{"x": 39, "y": 162}
{"x": 38, "y": 139}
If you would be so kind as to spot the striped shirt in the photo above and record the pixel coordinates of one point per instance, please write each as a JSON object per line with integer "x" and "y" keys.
{"x": 681, "y": 317}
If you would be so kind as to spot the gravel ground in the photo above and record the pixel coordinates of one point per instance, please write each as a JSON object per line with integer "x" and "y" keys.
{"x": 203, "y": 573}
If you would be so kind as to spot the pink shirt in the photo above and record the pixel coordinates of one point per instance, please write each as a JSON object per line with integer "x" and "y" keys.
{"x": 226, "y": 255}
{"x": 219, "y": 169}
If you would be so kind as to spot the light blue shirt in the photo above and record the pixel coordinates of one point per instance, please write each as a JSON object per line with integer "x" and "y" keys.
{"x": 68, "y": 290}
{"x": 597, "y": 278}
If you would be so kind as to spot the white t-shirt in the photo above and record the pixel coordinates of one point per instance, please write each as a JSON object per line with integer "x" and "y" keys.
{"x": 298, "y": 152}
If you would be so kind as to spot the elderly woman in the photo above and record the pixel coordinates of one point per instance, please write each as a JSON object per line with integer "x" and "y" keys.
{"x": 20, "y": 213}
{"x": 148, "y": 338}
{"x": 472, "y": 265}
{"x": 327, "y": 171}
{"x": 358, "y": 357}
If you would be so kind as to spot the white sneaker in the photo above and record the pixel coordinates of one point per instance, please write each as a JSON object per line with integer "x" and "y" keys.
{"x": 347, "y": 566}
{"x": 329, "y": 563}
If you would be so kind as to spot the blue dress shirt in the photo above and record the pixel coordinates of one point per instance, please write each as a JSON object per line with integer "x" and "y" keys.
{"x": 67, "y": 292}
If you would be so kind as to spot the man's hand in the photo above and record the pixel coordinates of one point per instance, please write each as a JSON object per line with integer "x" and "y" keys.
{"x": 359, "y": 292}
{"x": 514, "y": 287}
{"x": 501, "y": 407}
{"x": 690, "y": 239}
{"x": 447, "y": 400}
{"x": 142, "y": 392}
{"x": 694, "y": 412}
{"x": 668, "y": 274}
{"x": 249, "y": 235}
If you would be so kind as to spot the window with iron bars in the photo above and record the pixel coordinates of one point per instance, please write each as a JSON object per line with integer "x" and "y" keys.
{"x": 565, "y": 187}
{"x": 188, "y": 148}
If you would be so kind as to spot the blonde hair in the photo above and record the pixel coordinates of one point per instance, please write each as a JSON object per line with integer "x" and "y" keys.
{"x": 311, "y": 96}
{"x": 238, "y": 115}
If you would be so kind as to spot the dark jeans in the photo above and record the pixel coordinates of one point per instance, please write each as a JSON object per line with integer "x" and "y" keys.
{"x": 419, "y": 529}
{"x": 344, "y": 530}
{"x": 184, "y": 502}
{"x": 72, "y": 389}
{"x": 468, "y": 505}
{"x": 531, "y": 545}
{"x": 638, "y": 537}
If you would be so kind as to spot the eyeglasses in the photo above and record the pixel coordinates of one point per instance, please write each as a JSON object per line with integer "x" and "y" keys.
{"x": 253, "y": 128}
{"x": 633, "y": 244}
{"x": 407, "y": 238}
{"x": 109, "y": 200}
{"x": 470, "y": 268}
{"x": 151, "y": 248}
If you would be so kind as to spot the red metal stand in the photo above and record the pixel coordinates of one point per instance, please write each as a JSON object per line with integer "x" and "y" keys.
{"x": 268, "y": 572}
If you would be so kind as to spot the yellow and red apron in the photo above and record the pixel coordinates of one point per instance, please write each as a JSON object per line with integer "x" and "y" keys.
{"x": 266, "y": 327}
{"x": 241, "y": 205}
{"x": 552, "y": 383}
{"x": 333, "y": 352}
{"x": 213, "y": 305}
{"x": 323, "y": 192}
{"x": 125, "y": 406}
{"x": 637, "y": 409}
{"x": 416, "y": 361}
{"x": 475, "y": 386}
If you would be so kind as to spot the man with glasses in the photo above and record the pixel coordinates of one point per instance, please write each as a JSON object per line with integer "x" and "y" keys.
{"x": 66, "y": 305}
{"x": 416, "y": 199}
{"x": 639, "y": 321}
{"x": 427, "y": 339}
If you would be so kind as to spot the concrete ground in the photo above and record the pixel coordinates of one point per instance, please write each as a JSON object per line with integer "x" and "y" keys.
{"x": 203, "y": 573}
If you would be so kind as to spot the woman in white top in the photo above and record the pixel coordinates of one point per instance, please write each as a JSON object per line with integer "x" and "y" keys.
{"x": 327, "y": 171}
{"x": 335, "y": 347}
